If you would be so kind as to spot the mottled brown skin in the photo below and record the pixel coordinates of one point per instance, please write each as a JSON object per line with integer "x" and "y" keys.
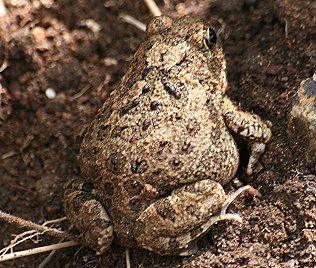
{"x": 160, "y": 149}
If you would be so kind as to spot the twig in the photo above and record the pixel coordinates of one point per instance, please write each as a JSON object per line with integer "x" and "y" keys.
{"x": 127, "y": 258}
{"x": 38, "y": 250}
{"x": 8, "y": 154}
{"x": 80, "y": 93}
{"x": 54, "y": 221}
{"x": 138, "y": 24}
{"x": 44, "y": 263}
{"x": 17, "y": 240}
{"x": 20, "y": 239}
{"x": 31, "y": 225}
{"x": 286, "y": 28}
{"x": 154, "y": 9}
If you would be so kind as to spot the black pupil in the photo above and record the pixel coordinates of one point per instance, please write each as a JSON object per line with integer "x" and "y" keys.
{"x": 212, "y": 36}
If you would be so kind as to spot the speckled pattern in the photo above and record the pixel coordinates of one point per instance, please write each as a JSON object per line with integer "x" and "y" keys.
{"x": 159, "y": 149}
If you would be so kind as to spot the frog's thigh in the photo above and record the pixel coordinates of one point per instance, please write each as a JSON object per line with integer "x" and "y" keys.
{"x": 250, "y": 126}
{"x": 171, "y": 223}
{"x": 88, "y": 215}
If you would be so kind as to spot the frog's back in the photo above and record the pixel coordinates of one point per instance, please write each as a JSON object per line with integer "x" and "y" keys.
{"x": 163, "y": 124}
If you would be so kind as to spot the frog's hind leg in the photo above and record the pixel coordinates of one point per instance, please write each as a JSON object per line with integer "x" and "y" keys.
{"x": 88, "y": 215}
{"x": 172, "y": 224}
{"x": 251, "y": 127}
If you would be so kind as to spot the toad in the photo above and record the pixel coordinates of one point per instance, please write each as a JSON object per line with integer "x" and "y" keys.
{"x": 155, "y": 158}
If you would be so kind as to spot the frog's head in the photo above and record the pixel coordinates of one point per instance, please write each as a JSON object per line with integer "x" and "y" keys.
{"x": 188, "y": 41}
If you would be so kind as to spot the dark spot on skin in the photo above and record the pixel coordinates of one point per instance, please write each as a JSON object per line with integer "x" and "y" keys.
{"x": 190, "y": 127}
{"x": 185, "y": 146}
{"x": 146, "y": 88}
{"x": 133, "y": 187}
{"x": 162, "y": 146}
{"x": 173, "y": 90}
{"x": 87, "y": 187}
{"x": 182, "y": 61}
{"x": 139, "y": 166}
{"x": 157, "y": 171}
{"x": 146, "y": 71}
{"x": 146, "y": 124}
{"x": 130, "y": 106}
{"x": 165, "y": 209}
{"x": 108, "y": 189}
{"x": 178, "y": 116}
{"x": 163, "y": 143}
{"x": 155, "y": 105}
{"x": 134, "y": 139}
{"x": 155, "y": 122}
{"x": 162, "y": 56}
{"x": 114, "y": 163}
{"x": 176, "y": 162}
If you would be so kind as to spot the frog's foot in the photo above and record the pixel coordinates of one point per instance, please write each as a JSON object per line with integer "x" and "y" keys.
{"x": 249, "y": 126}
{"x": 171, "y": 224}
{"x": 88, "y": 215}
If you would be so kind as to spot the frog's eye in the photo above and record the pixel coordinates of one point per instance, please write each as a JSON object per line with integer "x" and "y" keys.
{"x": 210, "y": 38}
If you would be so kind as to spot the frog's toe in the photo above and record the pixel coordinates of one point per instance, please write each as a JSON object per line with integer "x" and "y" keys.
{"x": 88, "y": 215}
{"x": 232, "y": 198}
{"x": 256, "y": 150}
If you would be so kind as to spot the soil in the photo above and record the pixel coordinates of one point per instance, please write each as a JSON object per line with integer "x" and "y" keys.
{"x": 81, "y": 49}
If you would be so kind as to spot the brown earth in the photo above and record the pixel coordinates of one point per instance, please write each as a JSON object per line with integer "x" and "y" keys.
{"x": 270, "y": 47}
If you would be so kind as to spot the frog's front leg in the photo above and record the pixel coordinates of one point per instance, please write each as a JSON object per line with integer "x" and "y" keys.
{"x": 88, "y": 215}
{"x": 172, "y": 224}
{"x": 251, "y": 127}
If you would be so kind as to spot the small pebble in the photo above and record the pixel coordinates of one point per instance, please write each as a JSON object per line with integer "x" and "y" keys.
{"x": 93, "y": 25}
{"x": 50, "y": 93}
